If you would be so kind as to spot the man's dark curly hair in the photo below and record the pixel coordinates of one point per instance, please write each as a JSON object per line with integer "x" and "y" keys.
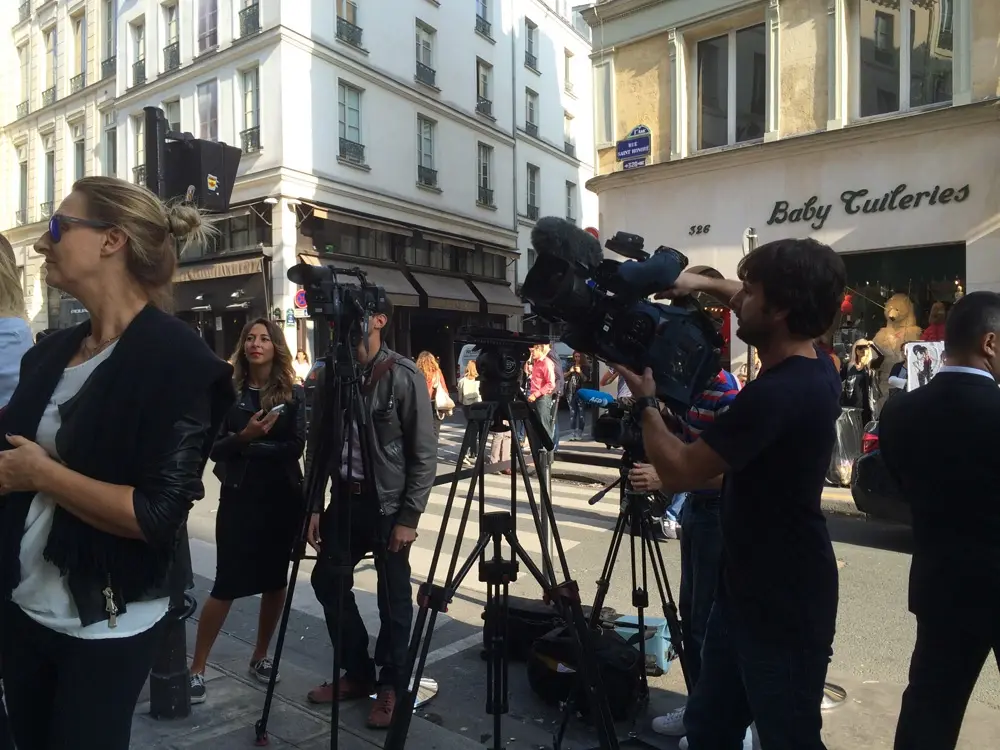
{"x": 802, "y": 276}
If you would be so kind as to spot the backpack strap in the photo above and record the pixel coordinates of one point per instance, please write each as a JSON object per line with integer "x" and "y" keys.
{"x": 378, "y": 372}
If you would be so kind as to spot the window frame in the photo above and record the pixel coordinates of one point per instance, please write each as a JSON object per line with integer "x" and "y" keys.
{"x": 24, "y": 70}
{"x": 50, "y": 36}
{"x": 138, "y": 140}
{"x": 483, "y": 9}
{"x": 425, "y": 38}
{"x": 426, "y": 135}
{"x": 165, "y": 107}
{"x": 571, "y": 202}
{"x": 171, "y": 23}
{"x": 350, "y": 11}
{"x": 109, "y": 164}
{"x": 568, "y": 57}
{"x": 138, "y": 32}
{"x": 214, "y": 116}
{"x": 110, "y": 13}
{"x": 531, "y": 105}
{"x": 532, "y": 179}
{"x": 530, "y": 37}
{"x": 484, "y": 83}
{"x": 78, "y": 28}
{"x": 251, "y": 109}
{"x": 50, "y": 177}
{"x": 605, "y": 123}
{"x": 343, "y": 90}
{"x": 23, "y": 177}
{"x": 484, "y": 158}
{"x": 208, "y": 37}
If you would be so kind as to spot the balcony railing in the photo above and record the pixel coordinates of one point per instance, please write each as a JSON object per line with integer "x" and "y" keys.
{"x": 532, "y": 212}
{"x": 23, "y": 11}
{"x": 172, "y": 57}
{"x": 531, "y": 61}
{"x": 78, "y": 83}
{"x": 139, "y": 175}
{"x": 20, "y": 217}
{"x": 531, "y": 129}
{"x": 425, "y": 74}
{"x": 484, "y": 106}
{"x": 482, "y": 26}
{"x": 49, "y": 96}
{"x": 22, "y": 109}
{"x": 569, "y": 148}
{"x": 348, "y": 32}
{"x": 571, "y": 219}
{"x": 427, "y": 176}
{"x": 485, "y": 196}
{"x": 352, "y": 152}
{"x": 45, "y": 210}
{"x": 249, "y": 21}
{"x": 138, "y": 73}
{"x": 109, "y": 67}
{"x": 946, "y": 39}
{"x": 250, "y": 140}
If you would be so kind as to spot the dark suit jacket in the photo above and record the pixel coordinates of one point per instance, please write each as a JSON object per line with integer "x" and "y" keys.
{"x": 942, "y": 443}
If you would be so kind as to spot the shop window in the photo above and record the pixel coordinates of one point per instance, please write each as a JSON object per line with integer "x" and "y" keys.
{"x": 732, "y": 87}
{"x": 903, "y": 56}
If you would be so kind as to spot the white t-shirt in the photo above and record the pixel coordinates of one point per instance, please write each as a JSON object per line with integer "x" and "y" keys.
{"x": 44, "y": 593}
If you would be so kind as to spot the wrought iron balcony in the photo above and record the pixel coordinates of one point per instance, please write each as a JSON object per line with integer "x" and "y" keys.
{"x": 348, "y": 32}
{"x": 138, "y": 73}
{"x": 49, "y": 96}
{"x": 77, "y": 83}
{"x": 482, "y": 26}
{"x": 20, "y": 217}
{"x": 569, "y": 87}
{"x": 249, "y": 21}
{"x": 532, "y": 212}
{"x": 486, "y": 196}
{"x": 23, "y": 11}
{"x": 531, "y": 128}
{"x": 172, "y": 57}
{"x": 139, "y": 175}
{"x": 352, "y": 152}
{"x": 425, "y": 74}
{"x": 531, "y": 61}
{"x": 484, "y": 106}
{"x": 109, "y": 67}
{"x": 45, "y": 210}
{"x": 427, "y": 176}
{"x": 22, "y": 109}
{"x": 250, "y": 140}
{"x": 569, "y": 148}
{"x": 946, "y": 39}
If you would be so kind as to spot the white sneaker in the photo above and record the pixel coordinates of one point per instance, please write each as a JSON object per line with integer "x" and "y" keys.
{"x": 747, "y": 740}
{"x": 672, "y": 724}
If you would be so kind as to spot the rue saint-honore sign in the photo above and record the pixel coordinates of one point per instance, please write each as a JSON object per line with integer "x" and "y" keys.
{"x": 866, "y": 202}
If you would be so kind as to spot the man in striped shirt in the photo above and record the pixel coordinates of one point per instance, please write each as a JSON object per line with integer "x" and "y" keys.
{"x": 701, "y": 535}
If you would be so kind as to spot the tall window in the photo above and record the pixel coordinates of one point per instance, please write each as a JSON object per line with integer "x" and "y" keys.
{"x": 568, "y": 127}
{"x": 138, "y": 42}
{"x": 425, "y": 45}
{"x": 483, "y": 9}
{"x": 568, "y": 70}
{"x": 79, "y": 159}
{"x": 79, "y": 44}
{"x": 348, "y": 10}
{"x": 484, "y": 75}
{"x": 484, "y": 174}
{"x": 208, "y": 110}
{"x": 349, "y": 110}
{"x": 426, "y": 174}
{"x": 110, "y": 145}
{"x": 531, "y": 111}
{"x": 110, "y": 30}
{"x": 139, "y": 142}
{"x": 24, "y": 61}
{"x": 170, "y": 24}
{"x": 50, "y": 179}
{"x": 604, "y": 124}
{"x": 532, "y": 191}
{"x": 22, "y": 199}
{"x": 571, "y": 201}
{"x": 732, "y": 88}
{"x": 208, "y": 25}
{"x": 251, "y": 98}
{"x": 50, "y": 57}
{"x": 172, "y": 111}
{"x": 894, "y": 74}
{"x": 530, "y": 44}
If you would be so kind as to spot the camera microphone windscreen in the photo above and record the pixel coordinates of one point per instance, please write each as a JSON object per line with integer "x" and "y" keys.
{"x": 593, "y": 397}
{"x": 563, "y": 239}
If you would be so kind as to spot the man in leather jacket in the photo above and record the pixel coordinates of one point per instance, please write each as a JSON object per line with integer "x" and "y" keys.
{"x": 376, "y": 514}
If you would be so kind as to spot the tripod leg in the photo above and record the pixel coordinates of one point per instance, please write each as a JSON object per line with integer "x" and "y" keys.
{"x": 667, "y": 599}
{"x": 604, "y": 582}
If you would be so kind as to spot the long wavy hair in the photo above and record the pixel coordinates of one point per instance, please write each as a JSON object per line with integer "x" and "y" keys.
{"x": 427, "y": 364}
{"x": 11, "y": 293}
{"x": 279, "y": 384}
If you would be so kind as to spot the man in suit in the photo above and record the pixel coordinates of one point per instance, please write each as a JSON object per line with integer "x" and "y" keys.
{"x": 955, "y": 573}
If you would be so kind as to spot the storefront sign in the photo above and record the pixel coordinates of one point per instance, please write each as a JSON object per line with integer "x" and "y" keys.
{"x": 637, "y": 143}
{"x": 858, "y": 201}
{"x": 634, "y": 163}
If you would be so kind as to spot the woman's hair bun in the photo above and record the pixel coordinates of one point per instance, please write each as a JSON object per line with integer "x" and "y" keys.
{"x": 188, "y": 226}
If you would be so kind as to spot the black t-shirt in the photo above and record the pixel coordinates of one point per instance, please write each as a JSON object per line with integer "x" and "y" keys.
{"x": 779, "y": 572}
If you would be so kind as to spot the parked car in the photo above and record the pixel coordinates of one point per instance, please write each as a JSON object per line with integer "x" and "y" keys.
{"x": 875, "y": 492}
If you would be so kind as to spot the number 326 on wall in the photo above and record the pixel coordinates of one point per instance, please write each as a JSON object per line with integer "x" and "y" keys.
{"x": 700, "y": 229}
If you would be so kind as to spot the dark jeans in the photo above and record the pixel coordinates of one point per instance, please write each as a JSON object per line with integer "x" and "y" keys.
{"x": 701, "y": 556}
{"x": 474, "y": 447}
{"x": 544, "y": 409}
{"x": 577, "y": 415}
{"x": 746, "y": 679}
{"x": 65, "y": 692}
{"x": 950, "y": 653}
{"x": 345, "y": 545}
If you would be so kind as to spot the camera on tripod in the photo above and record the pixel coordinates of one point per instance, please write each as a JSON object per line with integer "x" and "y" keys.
{"x": 343, "y": 304}
{"x": 502, "y": 355}
{"x": 618, "y": 428}
{"x": 604, "y": 307}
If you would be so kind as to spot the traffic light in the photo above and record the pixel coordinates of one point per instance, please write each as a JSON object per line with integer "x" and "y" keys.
{"x": 178, "y": 165}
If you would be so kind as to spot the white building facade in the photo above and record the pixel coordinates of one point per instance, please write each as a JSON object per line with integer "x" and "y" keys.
{"x": 420, "y": 145}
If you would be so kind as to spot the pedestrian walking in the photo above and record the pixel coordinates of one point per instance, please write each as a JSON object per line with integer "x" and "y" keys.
{"x": 468, "y": 394}
{"x": 261, "y": 505}
{"x": 437, "y": 389}
{"x": 577, "y": 377}
{"x": 106, "y": 444}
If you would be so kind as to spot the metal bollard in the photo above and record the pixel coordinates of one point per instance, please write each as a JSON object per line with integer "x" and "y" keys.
{"x": 169, "y": 681}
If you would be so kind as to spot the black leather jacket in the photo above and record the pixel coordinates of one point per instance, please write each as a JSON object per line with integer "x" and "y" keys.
{"x": 283, "y": 444}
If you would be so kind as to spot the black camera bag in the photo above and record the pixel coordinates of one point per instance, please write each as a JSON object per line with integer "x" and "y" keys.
{"x": 530, "y": 619}
{"x": 553, "y": 671}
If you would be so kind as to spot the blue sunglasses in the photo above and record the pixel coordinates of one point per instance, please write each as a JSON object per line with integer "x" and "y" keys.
{"x": 59, "y": 224}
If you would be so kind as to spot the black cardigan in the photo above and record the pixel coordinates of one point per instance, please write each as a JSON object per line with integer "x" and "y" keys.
{"x": 118, "y": 429}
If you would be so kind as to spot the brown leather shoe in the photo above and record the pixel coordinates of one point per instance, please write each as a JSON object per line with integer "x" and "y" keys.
{"x": 347, "y": 689}
{"x": 381, "y": 713}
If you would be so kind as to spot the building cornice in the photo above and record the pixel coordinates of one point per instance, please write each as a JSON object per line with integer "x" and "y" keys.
{"x": 908, "y": 124}
{"x": 609, "y": 10}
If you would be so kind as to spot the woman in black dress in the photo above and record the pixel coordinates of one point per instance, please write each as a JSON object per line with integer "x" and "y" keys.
{"x": 860, "y": 377}
{"x": 260, "y": 507}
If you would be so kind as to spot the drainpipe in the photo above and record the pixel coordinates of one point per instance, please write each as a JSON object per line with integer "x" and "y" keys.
{"x": 513, "y": 130}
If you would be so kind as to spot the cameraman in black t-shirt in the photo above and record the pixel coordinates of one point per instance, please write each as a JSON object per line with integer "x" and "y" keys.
{"x": 770, "y": 635}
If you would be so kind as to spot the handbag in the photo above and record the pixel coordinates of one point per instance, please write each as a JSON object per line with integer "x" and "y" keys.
{"x": 442, "y": 401}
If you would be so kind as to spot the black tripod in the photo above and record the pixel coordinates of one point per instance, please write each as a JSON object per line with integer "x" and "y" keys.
{"x": 341, "y": 396}
{"x": 498, "y": 572}
{"x": 635, "y": 519}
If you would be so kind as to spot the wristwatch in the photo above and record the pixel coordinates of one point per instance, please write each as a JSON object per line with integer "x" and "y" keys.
{"x": 643, "y": 403}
